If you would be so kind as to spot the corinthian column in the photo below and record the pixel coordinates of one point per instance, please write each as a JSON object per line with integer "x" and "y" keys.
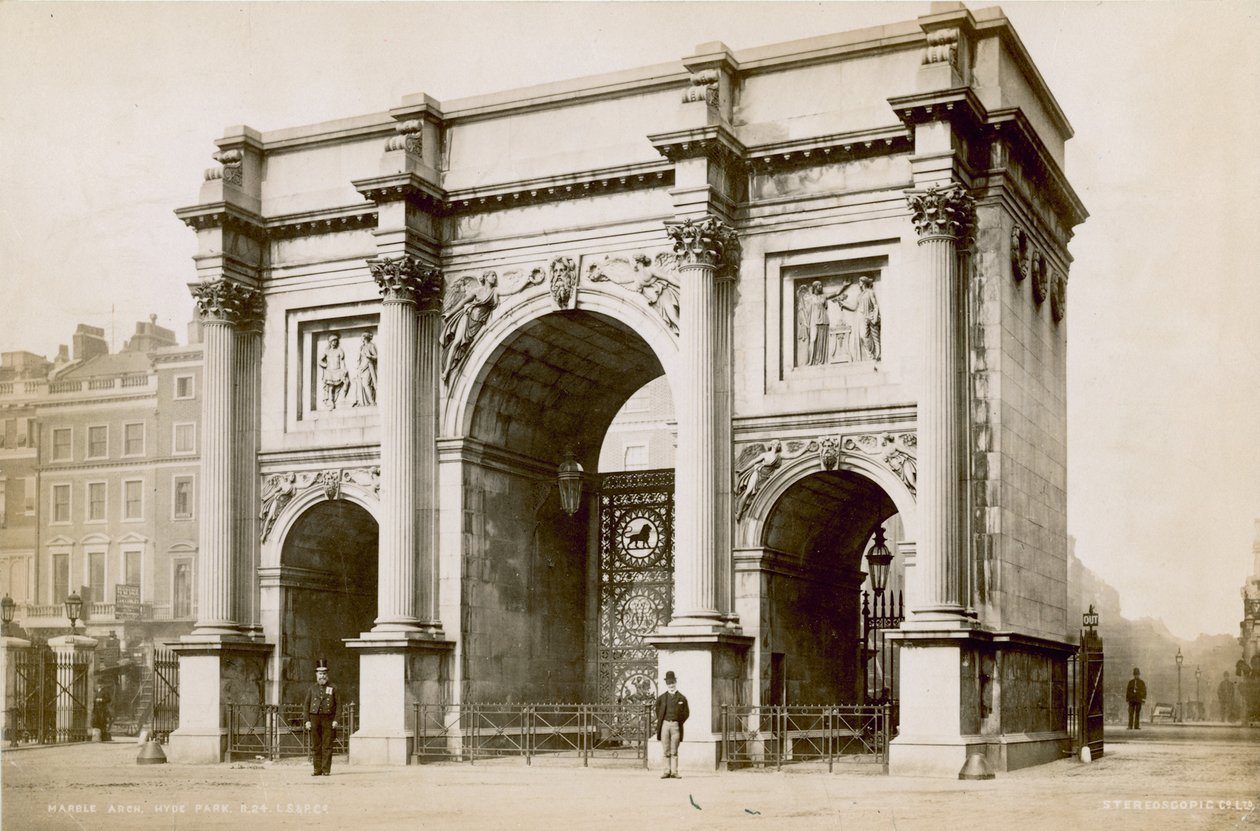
{"x": 708, "y": 252}
{"x": 221, "y": 305}
{"x": 410, "y": 296}
{"x": 941, "y": 216}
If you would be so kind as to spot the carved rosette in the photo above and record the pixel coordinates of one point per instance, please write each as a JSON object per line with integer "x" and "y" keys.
{"x": 1040, "y": 278}
{"x": 942, "y": 212}
{"x": 1019, "y": 253}
{"x": 709, "y": 242}
{"x": 408, "y": 136}
{"x": 232, "y": 161}
{"x": 564, "y": 282}
{"x": 407, "y": 280}
{"x": 226, "y": 301}
{"x": 1058, "y": 295}
{"x": 703, "y": 87}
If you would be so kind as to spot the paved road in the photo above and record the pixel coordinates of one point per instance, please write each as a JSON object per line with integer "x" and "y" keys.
{"x": 1209, "y": 733}
{"x": 1140, "y": 785}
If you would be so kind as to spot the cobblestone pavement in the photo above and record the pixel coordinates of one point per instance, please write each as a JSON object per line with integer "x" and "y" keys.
{"x": 1175, "y": 780}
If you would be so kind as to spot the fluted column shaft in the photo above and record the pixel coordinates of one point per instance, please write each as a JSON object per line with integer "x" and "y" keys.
{"x": 248, "y": 415}
{"x": 216, "y": 567}
{"x": 942, "y": 217}
{"x": 707, "y": 251}
{"x": 428, "y": 367}
{"x": 406, "y": 442}
{"x": 396, "y": 600}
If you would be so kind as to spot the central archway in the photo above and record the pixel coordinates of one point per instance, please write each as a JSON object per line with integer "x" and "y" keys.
{"x": 530, "y": 587}
{"x": 328, "y": 566}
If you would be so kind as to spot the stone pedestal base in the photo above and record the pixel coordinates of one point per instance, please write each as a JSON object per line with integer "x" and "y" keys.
{"x": 396, "y": 671}
{"x": 213, "y": 673}
{"x": 712, "y": 671}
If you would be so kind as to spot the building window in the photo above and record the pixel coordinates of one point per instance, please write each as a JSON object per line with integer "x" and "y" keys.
{"x": 98, "y": 442}
{"x": 61, "y": 438}
{"x": 184, "y": 440}
{"x": 4, "y": 516}
{"x": 133, "y": 499}
{"x": 61, "y": 577}
{"x": 133, "y": 439}
{"x": 181, "y": 589}
{"x": 183, "y": 500}
{"x": 96, "y": 501}
{"x": 183, "y": 386}
{"x": 636, "y": 457}
{"x": 131, "y": 567}
{"x": 60, "y": 503}
{"x": 28, "y": 496}
{"x": 96, "y": 578}
{"x": 640, "y": 402}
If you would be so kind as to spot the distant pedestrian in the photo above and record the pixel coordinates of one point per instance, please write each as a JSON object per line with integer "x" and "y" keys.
{"x": 1225, "y": 695}
{"x": 671, "y": 713}
{"x": 321, "y": 719}
{"x": 1135, "y": 694}
{"x": 102, "y": 705}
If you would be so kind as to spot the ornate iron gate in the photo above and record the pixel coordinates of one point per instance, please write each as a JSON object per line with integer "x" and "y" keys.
{"x": 636, "y": 564}
{"x": 881, "y": 655}
{"x": 165, "y": 716}
{"x": 50, "y": 697}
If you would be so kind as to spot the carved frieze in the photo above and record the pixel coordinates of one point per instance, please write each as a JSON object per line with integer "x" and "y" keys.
{"x": 947, "y": 211}
{"x": 226, "y": 301}
{"x": 407, "y": 280}
{"x": 708, "y": 242}
{"x": 703, "y": 87}
{"x": 564, "y": 282}
{"x": 654, "y": 278}
{"x": 757, "y": 463}
{"x": 469, "y": 303}
{"x": 280, "y": 489}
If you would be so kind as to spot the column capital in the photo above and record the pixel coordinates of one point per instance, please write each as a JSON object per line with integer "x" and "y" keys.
{"x": 946, "y": 211}
{"x": 706, "y": 242}
{"x": 227, "y": 301}
{"x": 407, "y": 279}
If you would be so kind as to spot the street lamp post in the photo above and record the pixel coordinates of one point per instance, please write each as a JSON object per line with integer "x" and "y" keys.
{"x": 7, "y": 607}
{"x": 74, "y": 609}
{"x": 1180, "y": 715}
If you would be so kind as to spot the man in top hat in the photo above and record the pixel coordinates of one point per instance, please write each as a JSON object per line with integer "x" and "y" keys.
{"x": 321, "y": 719}
{"x": 671, "y": 713}
{"x": 1135, "y": 694}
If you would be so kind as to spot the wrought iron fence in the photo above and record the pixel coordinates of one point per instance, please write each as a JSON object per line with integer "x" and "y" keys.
{"x": 275, "y": 731}
{"x": 779, "y": 735}
{"x": 50, "y": 698}
{"x": 611, "y": 733}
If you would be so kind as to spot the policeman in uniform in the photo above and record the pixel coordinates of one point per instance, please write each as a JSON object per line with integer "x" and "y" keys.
{"x": 321, "y": 719}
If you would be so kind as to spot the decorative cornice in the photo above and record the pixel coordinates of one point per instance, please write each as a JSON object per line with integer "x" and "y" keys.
{"x": 707, "y": 242}
{"x": 558, "y": 188}
{"x": 226, "y": 301}
{"x": 832, "y": 148}
{"x": 1011, "y": 134}
{"x": 222, "y": 215}
{"x": 407, "y": 279}
{"x": 320, "y": 222}
{"x": 716, "y": 143}
{"x": 942, "y": 212}
{"x": 959, "y": 106}
{"x": 408, "y": 187}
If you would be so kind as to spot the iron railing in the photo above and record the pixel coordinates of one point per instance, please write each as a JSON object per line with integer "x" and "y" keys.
{"x": 50, "y": 698}
{"x": 469, "y": 732}
{"x": 275, "y": 731}
{"x": 778, "y": 735}
{"x": 164, "y": 717}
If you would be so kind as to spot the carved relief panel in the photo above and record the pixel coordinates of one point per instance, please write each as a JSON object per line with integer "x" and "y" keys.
{"x": 331, "y": 366}
{"x": 836, "y": 317}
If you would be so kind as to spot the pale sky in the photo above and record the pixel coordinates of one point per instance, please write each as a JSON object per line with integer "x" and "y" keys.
{"x": 108, "y": 114}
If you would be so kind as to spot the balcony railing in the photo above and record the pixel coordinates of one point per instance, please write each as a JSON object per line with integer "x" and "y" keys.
{"x": 117, "y": 382}
{"x": 44, "y": 614}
